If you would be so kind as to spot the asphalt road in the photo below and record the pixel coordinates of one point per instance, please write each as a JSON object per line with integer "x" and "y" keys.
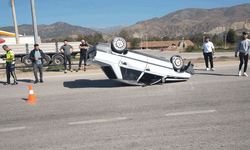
{"x": 211, "y": 111}
{"x": 168, "y": 54}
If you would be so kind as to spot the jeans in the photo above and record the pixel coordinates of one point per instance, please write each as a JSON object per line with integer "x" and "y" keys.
{"x": 67, "y": 58}
{"x": 243, "y": 58}
{"x": 210, "y": 56}
{"x": 37, "y": 67}
{"x": 10, "y": 70}
{"x": 83, "y": 57}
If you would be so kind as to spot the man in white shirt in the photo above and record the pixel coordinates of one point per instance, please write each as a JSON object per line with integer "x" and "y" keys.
{"x": 208, "y": 52}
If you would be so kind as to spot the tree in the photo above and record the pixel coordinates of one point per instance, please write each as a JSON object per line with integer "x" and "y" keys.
{"x": 173, "y": 38}
{"x": 91, "y": 39}
{"x": 79, "y": 37}
{"x": 155, "y": 38}
{"x": 134, "y": 43}
{"x": 124, "y": 34}
{"x": 231, "y": 36}
{"x": 166, "y": 38}
{"x": 70, "y": 39}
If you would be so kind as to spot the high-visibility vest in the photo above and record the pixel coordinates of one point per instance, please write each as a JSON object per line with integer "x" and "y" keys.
{"x": 9, "y": 54}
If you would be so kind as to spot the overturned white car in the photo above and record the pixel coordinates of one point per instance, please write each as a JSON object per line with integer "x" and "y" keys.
{"x": 136, "y": 68}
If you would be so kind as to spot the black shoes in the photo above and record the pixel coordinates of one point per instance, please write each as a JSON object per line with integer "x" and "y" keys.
{"x": 84, "y": 68}
{"x": 15, "y": 83}
{"x": 78, "y": 69}
{"x": 41, "y": 81}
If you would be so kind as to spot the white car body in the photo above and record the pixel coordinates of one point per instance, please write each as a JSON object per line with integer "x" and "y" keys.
{"x": 135, "y": 68}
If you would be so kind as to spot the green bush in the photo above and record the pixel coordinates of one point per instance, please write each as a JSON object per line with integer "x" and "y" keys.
{"x": 55, "y": 68}
{"x": 26, "y": 69}
{"x": 193, "y": 49}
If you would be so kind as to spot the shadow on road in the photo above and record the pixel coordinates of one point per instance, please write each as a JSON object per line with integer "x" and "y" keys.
{"x": 25, "y": 99}
{"x": 25, "y": 80}
{"x": 216, "y": 74}
{"x": 105, "y": 83}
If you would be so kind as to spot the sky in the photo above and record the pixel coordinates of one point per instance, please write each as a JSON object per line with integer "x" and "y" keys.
{"x": 100, "y": 13}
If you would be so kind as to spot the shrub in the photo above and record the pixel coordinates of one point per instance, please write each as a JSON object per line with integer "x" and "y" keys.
{"x": 193, "y": 49}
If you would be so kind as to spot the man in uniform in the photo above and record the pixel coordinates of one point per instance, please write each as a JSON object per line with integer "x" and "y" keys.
{"x": 83, "y": 50}
{"x": 67, "y": 50}
{"x": 37, "y": 56}
{"x": 10, "y": 65}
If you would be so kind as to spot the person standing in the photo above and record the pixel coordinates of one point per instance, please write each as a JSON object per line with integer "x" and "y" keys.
{"x": 10, "y": 65}
{"x": 208, "y": 52}
{"x": 243, "y": 47}
{"x": 67, "y": 49}
{"x": 37, "y": 56}
{"x": 83, "y": 50}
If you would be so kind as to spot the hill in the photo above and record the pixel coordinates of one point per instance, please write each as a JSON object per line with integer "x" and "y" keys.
{"x": 192, "y": 21}
{"x": 53, "y": 30}
{"x": 108, "y": 29}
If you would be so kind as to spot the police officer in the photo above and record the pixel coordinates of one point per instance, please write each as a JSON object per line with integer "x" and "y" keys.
{"x": 10, "y": 65}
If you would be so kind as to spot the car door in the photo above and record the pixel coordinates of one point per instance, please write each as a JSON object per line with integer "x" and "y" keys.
{"x": 132, "y": 66}
{"x": 156, "y": 69}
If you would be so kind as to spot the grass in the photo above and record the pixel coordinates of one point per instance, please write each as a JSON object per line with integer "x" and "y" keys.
{"x": 230, "y": 49}
{"x": 75, "y": 59}
{"x": 55, "y": 68}
{"x": 26, "y": 69}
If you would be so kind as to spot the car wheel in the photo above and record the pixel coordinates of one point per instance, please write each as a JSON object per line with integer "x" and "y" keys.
{"x": 27, "y": 61}
{"x": 177, "y": 62}
{"x": 118, "y": 44}
{"x": 58, "y": 60}
{"x": 46, "y": 60}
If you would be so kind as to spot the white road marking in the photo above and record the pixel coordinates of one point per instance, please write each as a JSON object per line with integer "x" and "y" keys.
{"x": 98, "y": 121}
{"x": 11, "y": 129}
{"x": 190, "y": 113}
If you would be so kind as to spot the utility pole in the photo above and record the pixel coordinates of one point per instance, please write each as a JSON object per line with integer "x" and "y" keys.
{"x": 225, "y": 41}
{"x": 146, "y": 35}
{"x": 141, "y": 40}
{"x": 14, "y": 19}
{"x": 34, "y": 21}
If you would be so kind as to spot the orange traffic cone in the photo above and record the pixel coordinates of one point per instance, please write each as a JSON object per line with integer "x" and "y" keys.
{"x": 31, "y": 95}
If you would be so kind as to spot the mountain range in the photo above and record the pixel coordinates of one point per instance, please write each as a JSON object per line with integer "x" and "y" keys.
{"x": 193, "y": 21}
{"x": 180, "y": 23}
{"x": 49, "y": 31}
{"x": 108, "y": 29}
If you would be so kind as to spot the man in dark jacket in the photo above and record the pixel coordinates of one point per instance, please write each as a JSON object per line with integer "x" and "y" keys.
{"x": 83, "y": 50}
{"x": 37, "y": 56}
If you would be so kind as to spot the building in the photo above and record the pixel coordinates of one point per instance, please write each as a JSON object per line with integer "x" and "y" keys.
{"x": 9, "y": 38}
{"x": 164, "y": 44}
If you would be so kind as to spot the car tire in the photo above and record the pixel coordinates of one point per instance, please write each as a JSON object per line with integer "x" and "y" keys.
{"x": 177, "y": 62}
{"x": 46, "y": 60}
{"x": 27, "y": 61}
{"x": 58, "y": 60}
{"x": 118, "y": 45}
